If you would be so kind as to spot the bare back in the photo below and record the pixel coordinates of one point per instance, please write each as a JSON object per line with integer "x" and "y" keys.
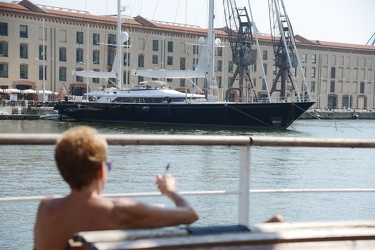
{"x": 58, "y": 219}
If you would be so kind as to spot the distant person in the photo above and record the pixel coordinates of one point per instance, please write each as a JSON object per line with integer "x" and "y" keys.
{"x": 81, "y": 158}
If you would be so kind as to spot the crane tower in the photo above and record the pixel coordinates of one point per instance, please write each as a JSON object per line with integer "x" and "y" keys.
{"x": 285, "y": 51}
{"x": 239, "y": 29}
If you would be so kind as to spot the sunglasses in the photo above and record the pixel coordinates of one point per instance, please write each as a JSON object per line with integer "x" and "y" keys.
{"x": 109, "y": 164}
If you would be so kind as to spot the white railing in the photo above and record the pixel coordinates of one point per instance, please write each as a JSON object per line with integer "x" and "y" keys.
{"x": 244, "y": 143}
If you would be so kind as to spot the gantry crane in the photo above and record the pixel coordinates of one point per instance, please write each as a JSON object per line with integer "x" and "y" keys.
{"x": 239, "y": 29}
{"x": 285, "y": 51}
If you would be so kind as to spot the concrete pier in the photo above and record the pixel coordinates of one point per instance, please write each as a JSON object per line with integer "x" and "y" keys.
{"x": 338, "y": 114}
{"x": 24, "y": 112}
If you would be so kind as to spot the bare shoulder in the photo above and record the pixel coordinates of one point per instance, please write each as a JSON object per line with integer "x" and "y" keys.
{"x": 45, "y": 201}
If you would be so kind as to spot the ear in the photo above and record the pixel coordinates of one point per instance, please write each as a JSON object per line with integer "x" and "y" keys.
{"x": 101, "y": 171}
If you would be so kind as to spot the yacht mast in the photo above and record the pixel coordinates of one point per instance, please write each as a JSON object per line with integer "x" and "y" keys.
{"x": 119, "y": 41}
{"x": 210, "y": 44}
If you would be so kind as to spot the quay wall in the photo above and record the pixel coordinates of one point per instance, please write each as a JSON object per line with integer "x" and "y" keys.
{"x": 334, "y": 114}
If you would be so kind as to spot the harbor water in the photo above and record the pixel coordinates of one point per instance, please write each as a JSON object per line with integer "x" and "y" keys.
{"x": 31, "y": 171}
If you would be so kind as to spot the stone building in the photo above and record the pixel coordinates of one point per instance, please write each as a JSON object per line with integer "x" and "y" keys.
{"x": 37, "y": 41}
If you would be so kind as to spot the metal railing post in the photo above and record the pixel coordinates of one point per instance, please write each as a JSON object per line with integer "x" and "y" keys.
{"x": 244, "y": 186}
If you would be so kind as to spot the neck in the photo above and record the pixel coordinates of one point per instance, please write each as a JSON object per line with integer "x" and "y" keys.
{"x": 90, "y": 190}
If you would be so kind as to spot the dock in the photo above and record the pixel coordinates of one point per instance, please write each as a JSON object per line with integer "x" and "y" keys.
{"x": 24, "y": 113}
{"x": 338, "y": 114}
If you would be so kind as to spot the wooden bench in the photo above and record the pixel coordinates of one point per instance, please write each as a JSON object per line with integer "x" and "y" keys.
{"x": 279, "y": 236}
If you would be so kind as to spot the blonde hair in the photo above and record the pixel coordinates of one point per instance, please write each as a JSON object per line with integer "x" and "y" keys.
{"x": 79, "y": 154}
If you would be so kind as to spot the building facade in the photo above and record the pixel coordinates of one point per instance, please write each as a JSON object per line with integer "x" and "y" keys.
{"x": 41, "y": 46}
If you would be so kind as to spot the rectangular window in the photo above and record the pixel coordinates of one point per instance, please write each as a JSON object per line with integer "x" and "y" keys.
{"x": 127, "y": 43}
{"x": 141, "y": 78}
{"x": 265, "y": 55}
{"x": 313, "y": 59}
{"x": 4, "y": 49}
{"x": 219, "y": 65}
{"x": 219, "y": 82}
{"x": 155, "y": 45}
{"x": 332, "y": 87}
{"x": 126, "y": 59}
{"x": 95, "y": 79}
{"x": 182, "y": 82}
{"x": 79, "y": 56}
{"x": 313, "y": 72}
{"x": 265, "y": 68}
{"x": 195, "y": 63}
{"x": 154, "y": 59}
{"x": 79, "y": 37}
{"x": 3, "y": 29}
{"x": 333, "y": 72}
{"x": 23, "y": 31}
{"x": 96, "y": 57}
{"x": 170, "y": 46}
{"x": 182, "y": 64}
{"x": 312, "y": 89}
{"x": 79, "y": 78}
{"x": 362, "y": 88}
{"x": 170, "y": 60}
{"x": 125, "y": 77}
{"x": 264, "y": 86}
{"x": 219, "y": 51}
{"x": 304, "y": 56}
{"x": 141, "y": 61}
{"x": 62, "y": 74}
{"x": 23, "y": 72}
{"x": 230, "y": 67}
{"x": 62, "y": 54}
{"x": 42, "y": 53}
{"x": 42, "y": 72}
{"x": 95, "y": 39}
{"x": 112, "y": 40}
{"x": 4, "y": 70}
{"x": 110, "y": 57}
{"x": 195, "y": 49}
{"x": 23, "y": 51}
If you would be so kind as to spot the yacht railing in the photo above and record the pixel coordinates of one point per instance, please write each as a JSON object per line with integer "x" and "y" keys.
{"x": 243, "y": 142}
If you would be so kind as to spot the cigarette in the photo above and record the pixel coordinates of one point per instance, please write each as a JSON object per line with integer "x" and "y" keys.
{"x": 167, "y": 168}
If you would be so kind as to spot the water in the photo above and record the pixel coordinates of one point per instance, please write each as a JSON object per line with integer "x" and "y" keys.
{"x": 30, "y": 171}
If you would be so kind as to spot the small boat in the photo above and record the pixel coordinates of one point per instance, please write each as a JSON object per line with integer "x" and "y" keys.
{"x": 50, "y": 117}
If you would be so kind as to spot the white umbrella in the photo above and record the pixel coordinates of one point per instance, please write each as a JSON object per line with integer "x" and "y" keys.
{"x": 12, "y": 91}
{"x": 46, "y": 92}
{"x": 29, "y": 91}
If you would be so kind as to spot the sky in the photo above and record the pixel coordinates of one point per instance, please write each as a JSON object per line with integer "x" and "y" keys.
{"x": 345, "y": 21}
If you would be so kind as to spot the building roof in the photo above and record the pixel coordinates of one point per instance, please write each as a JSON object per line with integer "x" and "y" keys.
{"x": 140, "y": 22}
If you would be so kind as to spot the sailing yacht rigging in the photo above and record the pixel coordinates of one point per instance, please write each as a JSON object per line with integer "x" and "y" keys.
{"x": 154, "y": 103}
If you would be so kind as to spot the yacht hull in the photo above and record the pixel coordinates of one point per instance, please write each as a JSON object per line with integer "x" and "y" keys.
{"x": 220, "y": 115}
